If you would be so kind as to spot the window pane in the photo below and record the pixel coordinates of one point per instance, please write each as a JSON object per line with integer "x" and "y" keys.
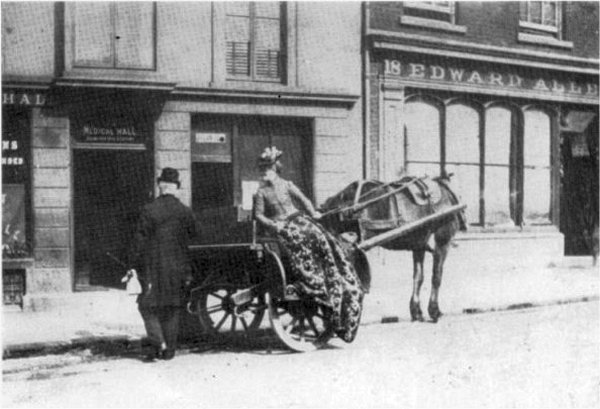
{"x": 462, "y": 155}
{"x": 536, "y": 157}
{"x": 535, "y": 12}
{"x": 549, "y": 13}
{"x": 237, "y": 36}
{"x": 135, "y": 35}
{"x": 93, "y": 34}
{"x": 270, "y": 9}
{"x": 497, "y": 170}
{"x": 267, "y": 48}
{"x": 422, "y": 139}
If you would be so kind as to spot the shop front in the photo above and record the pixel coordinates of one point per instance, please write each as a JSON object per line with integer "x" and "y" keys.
{"x": 17, "y": 227}
{"x": 112, "y": 179}
{"x": 495, "y": 128}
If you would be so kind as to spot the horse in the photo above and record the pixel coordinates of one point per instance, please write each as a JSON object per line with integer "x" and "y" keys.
{"x": 369, "y": 212}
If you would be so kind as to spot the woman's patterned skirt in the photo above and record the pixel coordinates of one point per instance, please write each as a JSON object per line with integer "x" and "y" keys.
{"x": 322, "y": 271}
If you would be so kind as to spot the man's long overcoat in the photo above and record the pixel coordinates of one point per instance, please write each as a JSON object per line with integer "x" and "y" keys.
{"x": 160, "y": 251}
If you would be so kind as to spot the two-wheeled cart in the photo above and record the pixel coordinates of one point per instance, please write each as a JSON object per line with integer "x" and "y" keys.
{"x": 241, "y": 282}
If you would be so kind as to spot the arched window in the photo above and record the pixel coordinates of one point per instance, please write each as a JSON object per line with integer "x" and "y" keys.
{"x": 422, "y": 122}
{"x": 536, "y": 167}
{"x": 463, "y": 155}
{"x": 497, "y": 186}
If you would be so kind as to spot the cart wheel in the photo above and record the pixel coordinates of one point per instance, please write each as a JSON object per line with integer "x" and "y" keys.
{"x": 302, "y": 326}
{"x": 218, "y": 316}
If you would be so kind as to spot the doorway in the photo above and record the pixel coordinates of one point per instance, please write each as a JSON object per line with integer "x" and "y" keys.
{"x": 579, "y": 187}
{"x": 110, "y": 189}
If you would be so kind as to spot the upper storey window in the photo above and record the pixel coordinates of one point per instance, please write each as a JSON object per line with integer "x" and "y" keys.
{"x": 540, "y": 22}
{"x": 437, "y": 15}
{"x": 434, "y": 10}
{"x": 541, "y": 17}
{"x": 253, "y": 38}
{"x": 114, "y": 35}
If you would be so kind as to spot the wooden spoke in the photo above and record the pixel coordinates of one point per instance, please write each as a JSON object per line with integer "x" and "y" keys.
{"x": 218, "y": 326}
{"x": 244, "y": 323}
{"x": 233, "y": 322}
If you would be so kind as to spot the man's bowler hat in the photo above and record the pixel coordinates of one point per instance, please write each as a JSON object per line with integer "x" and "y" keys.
{"x": 169, "y": 175}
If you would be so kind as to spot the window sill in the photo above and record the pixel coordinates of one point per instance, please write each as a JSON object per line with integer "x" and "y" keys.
{"x": 479, "y": 233}
{"x": 543, "y": 40}
{"x": 432, "y": 24}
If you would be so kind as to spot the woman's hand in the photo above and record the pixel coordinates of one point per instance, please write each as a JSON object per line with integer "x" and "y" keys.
{"x": 317, "y": 215}
{"x": 279, "y": 226}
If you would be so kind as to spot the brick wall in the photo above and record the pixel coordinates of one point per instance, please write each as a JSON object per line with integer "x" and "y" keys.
{"x": 172, "y": 149}
{"x": 497, "y": 24}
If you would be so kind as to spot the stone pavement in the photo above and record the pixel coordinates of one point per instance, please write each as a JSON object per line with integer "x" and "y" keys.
{"x": 111, "y": 316}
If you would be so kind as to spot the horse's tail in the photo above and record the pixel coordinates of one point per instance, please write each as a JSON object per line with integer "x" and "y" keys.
{"x": 444, "y": 182}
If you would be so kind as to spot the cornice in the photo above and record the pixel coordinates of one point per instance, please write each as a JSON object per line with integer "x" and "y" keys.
{"x": 481, "y": 52}
{"x": 281, "y": 94}
{"x": 288, "y": 95}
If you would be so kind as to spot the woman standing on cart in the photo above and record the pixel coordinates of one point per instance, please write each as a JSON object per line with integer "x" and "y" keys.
{"x": 320, "y": 269}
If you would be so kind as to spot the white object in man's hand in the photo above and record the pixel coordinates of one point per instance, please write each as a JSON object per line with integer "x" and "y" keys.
{"x": 317, "y": 215}
{"x": 133, "y": 284}
{"x": 130, "y": 273}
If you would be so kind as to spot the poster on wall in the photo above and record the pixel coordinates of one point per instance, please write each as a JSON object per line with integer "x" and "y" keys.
{"x": 14, "y": 242}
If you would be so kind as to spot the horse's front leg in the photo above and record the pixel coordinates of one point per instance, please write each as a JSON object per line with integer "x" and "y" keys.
{"x": 439, "y": 256}
{"x": 415, "y": 307}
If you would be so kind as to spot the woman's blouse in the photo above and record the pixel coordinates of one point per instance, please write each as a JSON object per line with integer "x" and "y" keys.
{"x": 274, "y": 202}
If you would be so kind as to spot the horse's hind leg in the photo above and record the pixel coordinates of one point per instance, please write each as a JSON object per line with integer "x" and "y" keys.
{"x": 439, "y": 256}
{"x": 415, "y": 307}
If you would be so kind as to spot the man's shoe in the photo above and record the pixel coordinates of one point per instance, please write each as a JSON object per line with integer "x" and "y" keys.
{"x": 168, "y": 354}
{"x": 151, "y": 357}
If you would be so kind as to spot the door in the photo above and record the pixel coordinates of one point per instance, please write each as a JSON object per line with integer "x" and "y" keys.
{"x": 579, "y": 190}
{"x": 110, "y": 188}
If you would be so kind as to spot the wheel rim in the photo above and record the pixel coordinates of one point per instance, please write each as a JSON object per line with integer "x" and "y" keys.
{"x": 301, "y": 325}
{"x": 217, "y": 313}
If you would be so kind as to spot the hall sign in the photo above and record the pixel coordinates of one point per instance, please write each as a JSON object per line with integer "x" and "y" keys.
{"x": 23, "y": 99}
{"x": 501, "y": 81}
{"x": 109, "y": 133}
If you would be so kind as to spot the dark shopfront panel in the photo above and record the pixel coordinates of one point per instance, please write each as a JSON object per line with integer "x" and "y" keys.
{"x": 16, "y": 202}
{"x": 224, "y": 174}
{"x": 579, "y": 180}
{"x": 112, "y": 180}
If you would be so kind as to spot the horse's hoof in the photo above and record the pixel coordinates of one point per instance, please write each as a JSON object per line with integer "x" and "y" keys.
{"x": 418, "y": 318}
{"x": 434, "y": 312}
{"x": 415, "y": 312}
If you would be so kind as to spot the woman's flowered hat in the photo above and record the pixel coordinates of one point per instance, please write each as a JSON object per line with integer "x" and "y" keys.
{"x": 269, "y": 157}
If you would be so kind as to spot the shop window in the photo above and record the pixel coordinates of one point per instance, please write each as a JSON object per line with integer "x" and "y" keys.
{"x": 254, "y": 40}
{"x": 498, "y": 193}
{"x": 16, "y": 185}
{"x": 114, "y": 35}
{"x": 541, "y": 22}
{"x": 536, "y": 168}
{"x": 507, "y": 184}
{"x": 463, "y": 155}
{"x": 440, "y": 15}
{"x": 422, "y": 138}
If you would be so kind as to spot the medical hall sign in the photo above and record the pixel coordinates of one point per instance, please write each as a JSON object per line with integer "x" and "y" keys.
{"x": 456, "y": 78}
{"x": 110, "y": 133}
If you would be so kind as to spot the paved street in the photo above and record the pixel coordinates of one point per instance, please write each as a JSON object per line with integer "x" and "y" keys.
{"x": 542, "y": 357}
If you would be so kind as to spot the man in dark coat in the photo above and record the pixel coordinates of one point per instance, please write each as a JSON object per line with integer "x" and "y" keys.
{"x": 160, "y": 254}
